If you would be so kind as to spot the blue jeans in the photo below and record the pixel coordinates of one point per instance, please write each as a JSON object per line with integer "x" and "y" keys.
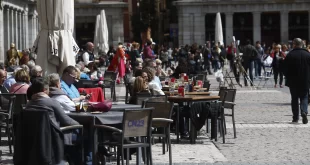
{"x": 302, "y": 95}
{"x": 216, "y": 65}
{"x": 258, "y": 67}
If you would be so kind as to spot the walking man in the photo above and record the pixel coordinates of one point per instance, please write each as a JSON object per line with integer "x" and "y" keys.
{"x": 249, "y": 55}
{"x": 297, "y": 73}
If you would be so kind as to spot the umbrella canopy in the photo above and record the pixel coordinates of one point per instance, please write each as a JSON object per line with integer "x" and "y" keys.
{"x": 55, "y": 46}
{"x": 101, "y": 34}
{"x": 218, "y": 29}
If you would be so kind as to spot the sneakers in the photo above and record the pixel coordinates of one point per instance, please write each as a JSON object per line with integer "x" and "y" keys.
{"x": 304, "y": 118}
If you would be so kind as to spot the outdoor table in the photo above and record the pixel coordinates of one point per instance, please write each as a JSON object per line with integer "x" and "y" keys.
{"x": 114, "y": 116}
{"x": 187, "y": 93}
{"x": 190, "y": 99}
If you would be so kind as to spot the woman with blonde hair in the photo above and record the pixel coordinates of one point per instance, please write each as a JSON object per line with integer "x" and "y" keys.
{"x": 140, "y": 86}
{"x": 22, "y": 82}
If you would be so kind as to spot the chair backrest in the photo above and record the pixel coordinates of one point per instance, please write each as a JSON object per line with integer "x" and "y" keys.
{"x": 162, "y": 78}
{"x": 158, "y": 98}
{"x": 86, "y": 84}
{"x": 137, "y": 122}
{"x": 201, "y": 77}
{"x": 11, "y": 106}
{"x": 222, "y": 93}
{"x": 230, "y": 97}
{"x": 161, "y": 109}
{"x": 207, "y": 85}
{"x": 19, "y": 100}
{"x": 109, "y": 76}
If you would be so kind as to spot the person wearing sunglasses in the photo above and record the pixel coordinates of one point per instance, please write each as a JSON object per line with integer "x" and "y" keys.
{"x": 69, "y": 76}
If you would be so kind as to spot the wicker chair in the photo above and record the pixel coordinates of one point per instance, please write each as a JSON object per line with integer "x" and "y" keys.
{"x": 162, "y": 119}
{"x": 136, "y": 123}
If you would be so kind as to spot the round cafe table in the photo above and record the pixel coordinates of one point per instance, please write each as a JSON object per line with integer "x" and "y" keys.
{"x": 114, "y": 116}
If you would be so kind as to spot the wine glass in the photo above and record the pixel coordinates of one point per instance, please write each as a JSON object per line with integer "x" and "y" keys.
{"x": 85, "y": 106}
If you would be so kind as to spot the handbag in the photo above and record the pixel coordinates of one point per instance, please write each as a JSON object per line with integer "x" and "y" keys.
{"x": 102, "y": 106}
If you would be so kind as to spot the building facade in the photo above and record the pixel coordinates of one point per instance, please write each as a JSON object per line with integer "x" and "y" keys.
{"x": 258, "y": 20}
{"x": 19, "y": 22}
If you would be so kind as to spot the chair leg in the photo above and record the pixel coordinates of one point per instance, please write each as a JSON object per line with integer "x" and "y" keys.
{"x": 127, "y": 158}
{"x": 163, "y": 142}
{"x": 223, "y": 130}
{"x": 122, "y": 151}
{"x": 207, "y": 125}
{"x": 9, "y": 139}
{"x": 111, "y": 89}
{"x": 150, "y": 154}
{"x": 234, "y": 124}
{"x": 118, "y": 155}
{"x": 170, "y": 150}
{"x": 104, "y": 93}
{"x": 224, "y": 121}
{"x": 114, "y": 97}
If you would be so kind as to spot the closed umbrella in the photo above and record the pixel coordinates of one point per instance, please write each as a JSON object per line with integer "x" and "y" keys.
{"x": 55, "y": 46}
{"x": 218, "y": 29}
{"x": 101, "y": 34}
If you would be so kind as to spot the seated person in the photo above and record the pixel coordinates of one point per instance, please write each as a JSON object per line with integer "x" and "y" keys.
{"x": 83, "y": 76}
{"x": 11, "y": 80}
{"x": 40, "y": 99}
{"x": 56, "y": 93}
{"x": 137, "y": 73}
{"x": 140, "y": 86}
{"x": 159, "y": 70}
{"x": 94, "y": 74}
{"x": 69, "y": 76}
{"x": 36, "y": 71}
{"x": 22, "y": 82}
{"x": 3, "y": 76}
{"x": 152, "y": 83}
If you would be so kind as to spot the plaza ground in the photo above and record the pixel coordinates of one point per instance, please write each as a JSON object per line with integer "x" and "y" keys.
{"x": 264, "y": 134}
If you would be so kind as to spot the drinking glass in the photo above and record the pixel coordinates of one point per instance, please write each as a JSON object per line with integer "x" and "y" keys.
{"x": 85, "y": 106}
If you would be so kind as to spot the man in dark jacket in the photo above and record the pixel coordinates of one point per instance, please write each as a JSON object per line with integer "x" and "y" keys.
{"x": 297, "y": 73}
{"x": 249, "y": 55}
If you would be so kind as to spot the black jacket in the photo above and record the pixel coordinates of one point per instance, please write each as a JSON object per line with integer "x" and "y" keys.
{"x": 38, "y": 140}
{"x": 297, "y": 69}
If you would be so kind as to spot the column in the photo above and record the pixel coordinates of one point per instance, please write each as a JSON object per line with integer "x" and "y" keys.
{"x": 118, "y": 28}
{"x": 229, "y": 27}
{"x": 256, "y": 26}
{"x": 308, "y": 27}
{"x": 20, "y": 40}
{"x": 16, "y": 30}
{"x": 284, "y": 26}
{"x": 8, "y": 29}
{"x": 2, "y": 50}
{"x": 25, "y": 31}
{"x": 12, "y": 26}
{"x": 180, "y": 29}
{"x": 199, "y": 28}
{"x": 186, "y": 29}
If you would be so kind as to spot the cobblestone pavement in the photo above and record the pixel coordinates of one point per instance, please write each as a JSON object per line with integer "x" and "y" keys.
{"x": 264, "y": 134}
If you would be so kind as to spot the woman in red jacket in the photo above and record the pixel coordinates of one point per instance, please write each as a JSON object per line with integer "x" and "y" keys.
{"x": 277, "y": 64}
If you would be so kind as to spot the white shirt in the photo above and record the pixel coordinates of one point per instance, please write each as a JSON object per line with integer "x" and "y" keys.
{"x": 86, "y": 58}
{"x": 156, "y": 89}
{"x": 67, "y": 104}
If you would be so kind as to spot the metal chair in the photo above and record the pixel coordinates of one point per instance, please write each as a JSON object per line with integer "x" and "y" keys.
{"x": 80, "y": 140}
{"x": 230, "y": 104}
{"x": 128, "y": 86}
{"x": 266, "y": 77}
{"x": 161, "y": 118}
{"x": 136, "y": 123}
{"x": 7, "y": 123}
{"x": 110, "y": 82}
{"x": 201, "y": 77}
{"x": 207, "y": 85}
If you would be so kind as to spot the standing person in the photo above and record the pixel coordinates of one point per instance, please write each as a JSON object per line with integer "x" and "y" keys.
{"x": 216, "y": 58}
{"x": 249, "y": 54}
{"x": 134, "y": 54}
{"x": 277, "y": 65}
{"x": 164, "y": 58}
{"x": 175, "y": 54}
{"x": 223, "y": 55}
{"x": 207, "y": 57}
{"x": 257, "y": 62}
{"x": 118, "y": 62}
{"x": 147, "y": 51}
{"x": 170, "y": 57}
{"x": 231, "y": 51}
{"x": 110, "y": 55}
{"x": 297, "y": 73}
